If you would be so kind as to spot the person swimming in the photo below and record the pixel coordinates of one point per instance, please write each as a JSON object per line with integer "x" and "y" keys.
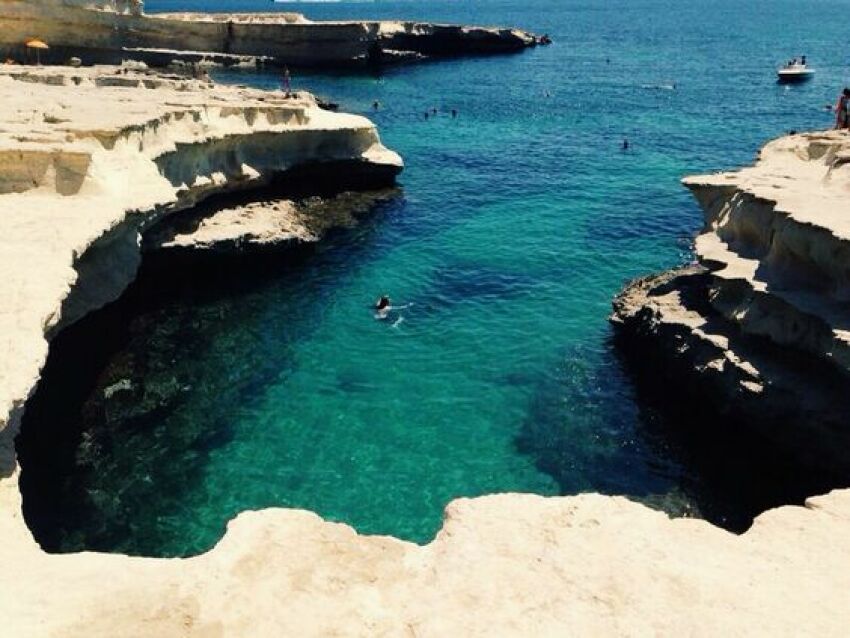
{"x": 384, "y": 306}
{"x": 659, "y": 87}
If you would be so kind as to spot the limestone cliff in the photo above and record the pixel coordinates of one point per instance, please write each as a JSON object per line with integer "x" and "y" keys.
{"x": 761, "y": 327}
{"x": 97, "y": 155}
{"x": 88, "y": 160}
{"x": 107, "y": 30}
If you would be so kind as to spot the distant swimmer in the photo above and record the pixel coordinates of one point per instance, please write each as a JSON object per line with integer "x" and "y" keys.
{"x": 376, "y": 105}
{"x": 625, "y": 144}
{"x": 434, "y": 110}
{"x": 454, "y": 112}
{"x": 426, "y": 115}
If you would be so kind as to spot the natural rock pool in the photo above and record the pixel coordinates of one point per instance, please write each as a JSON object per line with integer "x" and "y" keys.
{"x": 205, "y": 393}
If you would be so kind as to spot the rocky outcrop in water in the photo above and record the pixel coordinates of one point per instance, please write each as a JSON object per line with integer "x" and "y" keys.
{"x": 260, "y": 226}
{"x": 107, "y": 31}
{"x": 759, "y": 330}
{"x": 447, "y": 40}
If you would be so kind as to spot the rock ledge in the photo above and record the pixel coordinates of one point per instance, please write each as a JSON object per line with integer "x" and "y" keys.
{"x": 761, "y": 328}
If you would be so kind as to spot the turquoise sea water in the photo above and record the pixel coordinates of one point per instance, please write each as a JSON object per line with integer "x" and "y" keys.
{"x": 518, "y": 222}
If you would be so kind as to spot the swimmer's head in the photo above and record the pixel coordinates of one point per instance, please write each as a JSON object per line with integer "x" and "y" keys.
{"x": 383, "y": 302}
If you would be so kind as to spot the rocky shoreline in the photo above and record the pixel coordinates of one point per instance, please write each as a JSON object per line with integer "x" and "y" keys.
{"x": 91, "y": 159}
{"x": 260, "y": 225}
{"x": 145, "y": 148}
{"x": 106, "y": 32}
{"x": 757, "y": 330}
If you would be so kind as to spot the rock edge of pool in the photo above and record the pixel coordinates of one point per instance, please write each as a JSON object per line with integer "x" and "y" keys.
{"x": 511, "y": 563}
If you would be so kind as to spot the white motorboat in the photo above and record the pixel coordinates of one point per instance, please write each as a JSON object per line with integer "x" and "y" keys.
{"x": 795, "y": 71}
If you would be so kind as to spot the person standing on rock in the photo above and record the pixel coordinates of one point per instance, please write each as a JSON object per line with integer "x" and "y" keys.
{"x": 842, "y": 110}
{"x": 287, "y": 87}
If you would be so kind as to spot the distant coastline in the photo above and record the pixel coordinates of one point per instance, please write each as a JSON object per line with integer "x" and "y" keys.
{"x": 104, "y": 32}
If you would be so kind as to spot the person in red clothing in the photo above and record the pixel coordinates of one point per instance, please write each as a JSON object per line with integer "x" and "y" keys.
{"x": 842, "y": 117}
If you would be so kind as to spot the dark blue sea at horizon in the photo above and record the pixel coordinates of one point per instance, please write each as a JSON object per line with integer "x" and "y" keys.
{"x": 519, "y": 221}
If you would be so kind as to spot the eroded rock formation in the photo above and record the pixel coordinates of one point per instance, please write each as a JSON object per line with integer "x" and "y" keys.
{"x": 97, "y": 155}
{"x": 760, "y": 328}
{"x": 264, "y": 225}
{"x": 87, "y": 162}
{"x": 506, "y": 565}
{"x": 107, "y": 30}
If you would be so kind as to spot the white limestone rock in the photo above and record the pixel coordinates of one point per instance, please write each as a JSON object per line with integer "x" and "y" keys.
{"x": 762, "y": 328}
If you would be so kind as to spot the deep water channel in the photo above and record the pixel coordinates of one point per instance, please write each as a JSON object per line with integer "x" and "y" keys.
{"x": 207, "y": 391}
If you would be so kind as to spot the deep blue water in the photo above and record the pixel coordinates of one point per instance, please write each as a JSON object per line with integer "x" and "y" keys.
{"x": 519, "y": 220}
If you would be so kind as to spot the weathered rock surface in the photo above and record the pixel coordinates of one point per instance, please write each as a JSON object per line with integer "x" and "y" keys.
{"x": 89, "y": 158}
{"x": 446, "y": 39}
{"x": 86, "y": 165}
{"x": 762, "y": 327}
{"x": 106, "y": 30}
{"x": 254, "y": 225}
{"x": 506, "y": 565}
{"x": 262, "y": 225}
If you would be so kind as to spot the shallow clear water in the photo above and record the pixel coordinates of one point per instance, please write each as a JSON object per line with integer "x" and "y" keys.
{"x": 520, "y": 219}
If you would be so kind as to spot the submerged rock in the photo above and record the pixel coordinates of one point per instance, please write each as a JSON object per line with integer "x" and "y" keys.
{"x": 119, "y": 386}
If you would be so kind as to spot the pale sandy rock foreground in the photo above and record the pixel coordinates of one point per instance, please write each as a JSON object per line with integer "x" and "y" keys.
{"x": 88, "y": 160}
{"x": 508, "y": 565}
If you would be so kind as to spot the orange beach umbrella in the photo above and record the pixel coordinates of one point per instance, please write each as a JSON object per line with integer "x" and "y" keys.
{"x": 38, "y": 45}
